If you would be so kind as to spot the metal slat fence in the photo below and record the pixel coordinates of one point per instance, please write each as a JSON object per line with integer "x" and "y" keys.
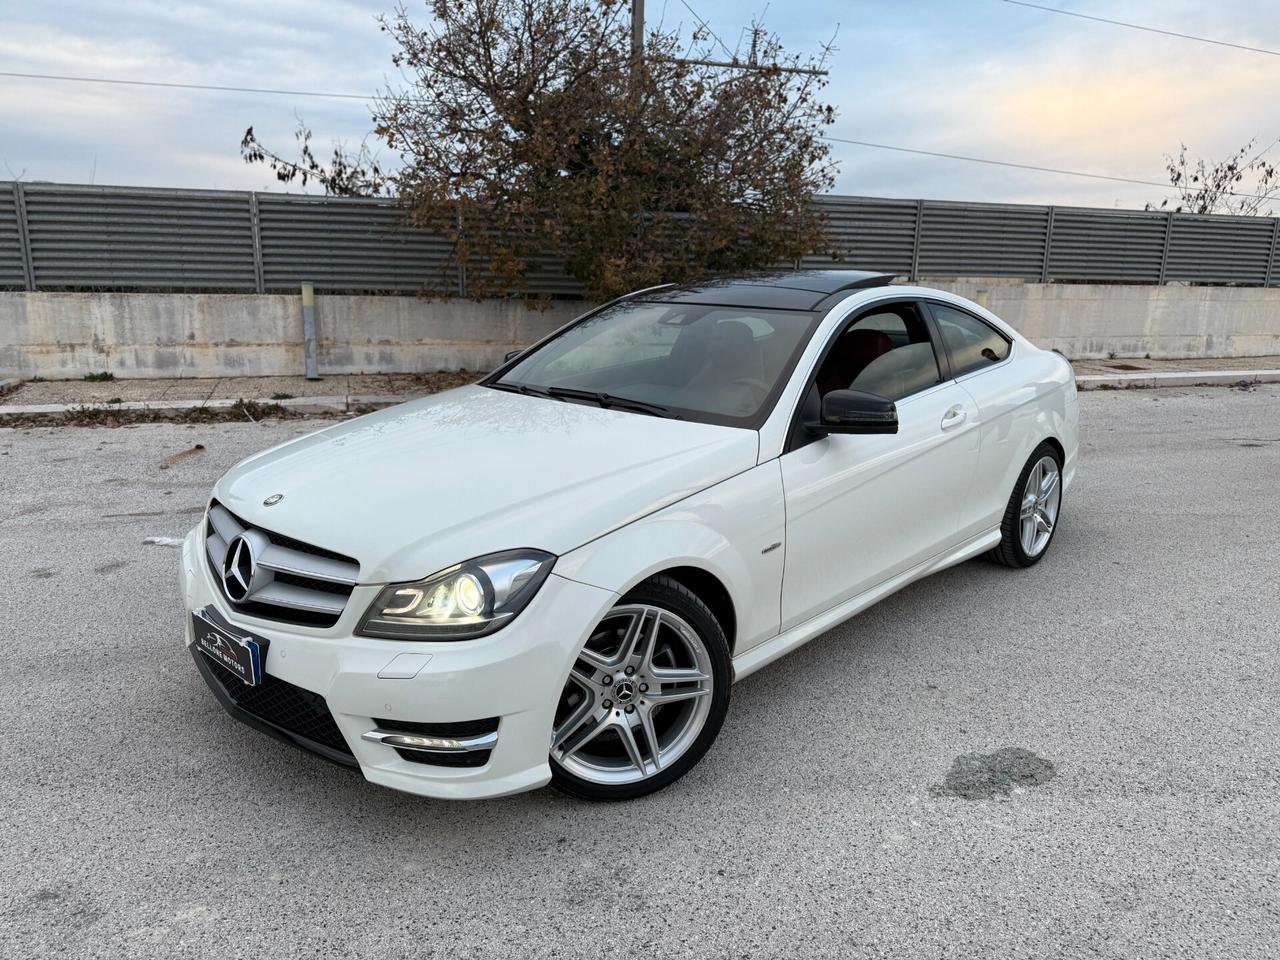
{"x": 12, "y": 266}
{"x": 1221, "y": 249}
{"x": 879, "y": 234}
{"x": 972, "y": 239}
{"x": 113, "y": 239}
{"x": 66, "y": 237}
{"x": 346, "y": 244}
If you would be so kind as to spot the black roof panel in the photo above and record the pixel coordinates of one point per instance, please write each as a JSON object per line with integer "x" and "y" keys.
{"x": 786, "y": 290}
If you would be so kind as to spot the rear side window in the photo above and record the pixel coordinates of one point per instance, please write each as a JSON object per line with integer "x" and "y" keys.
{"x": 971, "y": 342}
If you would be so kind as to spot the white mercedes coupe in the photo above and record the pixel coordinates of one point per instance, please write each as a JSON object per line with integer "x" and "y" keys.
{"x": 556, "y": 574}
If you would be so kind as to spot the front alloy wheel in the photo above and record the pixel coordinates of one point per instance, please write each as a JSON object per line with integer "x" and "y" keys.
{"x": 645, "y": 697}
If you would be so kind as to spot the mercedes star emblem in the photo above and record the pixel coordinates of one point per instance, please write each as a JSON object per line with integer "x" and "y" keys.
{"x": 238, "y": 568}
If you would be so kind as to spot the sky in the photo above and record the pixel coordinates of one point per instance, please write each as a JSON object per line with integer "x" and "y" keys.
{"x": 982, "y": 78}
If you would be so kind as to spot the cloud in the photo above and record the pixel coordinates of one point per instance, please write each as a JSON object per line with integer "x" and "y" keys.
{"x": 1120, "y": 107}
{"x": 66, "y": 131}
{"x": 1049, "y": 91}
{"x": 984, "y": 78}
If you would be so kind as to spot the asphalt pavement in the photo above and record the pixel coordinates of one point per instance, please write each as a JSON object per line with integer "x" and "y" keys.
{"x": 1076, "y": 760}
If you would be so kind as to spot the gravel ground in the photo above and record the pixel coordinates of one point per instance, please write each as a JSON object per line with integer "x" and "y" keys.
{"x": 1076, "y": 760}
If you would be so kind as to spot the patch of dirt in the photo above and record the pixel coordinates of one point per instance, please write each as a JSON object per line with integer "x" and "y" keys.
{"x": 182, "y": 455}
{"x": 238, "y": 412}
{"x": 89, "y": 413}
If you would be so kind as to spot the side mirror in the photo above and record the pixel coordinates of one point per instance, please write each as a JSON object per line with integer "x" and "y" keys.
{"x": 855, "y": 411}
{"x": 511, "y": 355}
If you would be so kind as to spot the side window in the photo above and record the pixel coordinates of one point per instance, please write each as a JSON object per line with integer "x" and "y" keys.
{"x": 887, "y": 352}
{"x": 971, "y": 343}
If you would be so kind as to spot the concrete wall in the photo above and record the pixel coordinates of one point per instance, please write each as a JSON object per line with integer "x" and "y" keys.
{"x": 62, "y": 335}
{"x": 1090, "y": 320}
{"x": 58, "y": 335}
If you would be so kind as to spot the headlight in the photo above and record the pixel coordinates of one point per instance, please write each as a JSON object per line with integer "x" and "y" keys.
{"x": 467, "y": 600}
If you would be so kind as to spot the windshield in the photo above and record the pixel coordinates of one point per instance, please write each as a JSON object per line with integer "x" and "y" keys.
{"x": 711, "y": 363}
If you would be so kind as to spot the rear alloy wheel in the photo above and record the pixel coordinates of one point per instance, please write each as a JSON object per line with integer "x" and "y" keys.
{"x": 645, "y": 697}
{"x": 1031, "y": 518}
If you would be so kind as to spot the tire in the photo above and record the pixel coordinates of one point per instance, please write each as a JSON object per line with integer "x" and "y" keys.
{"x": 1016, "y": 549}
{"x": 657, "y": 665}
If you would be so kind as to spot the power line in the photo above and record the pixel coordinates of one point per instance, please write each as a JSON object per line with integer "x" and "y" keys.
{"x": 1261, "y": 153}
{"x": 1139, "y": 26}
{"x": 186, "y": 86}
{"x": 706, "y": 26}
{"x": 1022, "y": 166}
{"x": 358, "y": 96}
{"x": 998, "y": 163}
{"x": 733, "y": 63}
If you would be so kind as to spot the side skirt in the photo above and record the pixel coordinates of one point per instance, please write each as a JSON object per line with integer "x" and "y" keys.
{"x": 769, "y": 651}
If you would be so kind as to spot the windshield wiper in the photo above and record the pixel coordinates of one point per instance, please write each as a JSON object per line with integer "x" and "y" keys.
{"x": 640, "y": 406}
{"x": 523, "y": 388}
{"x": 608, "y": 400}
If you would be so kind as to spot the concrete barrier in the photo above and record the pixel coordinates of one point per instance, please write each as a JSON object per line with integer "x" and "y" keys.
{"x": 1172, "y": 321}
{"x": 62, "y": 335}
{"x": 65, "y": 335}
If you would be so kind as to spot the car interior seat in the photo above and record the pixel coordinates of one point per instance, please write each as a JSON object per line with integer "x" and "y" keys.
{"x": 899, "y": 373}
{"x": 850, "y": 355}
{"x": 731, "y": 356}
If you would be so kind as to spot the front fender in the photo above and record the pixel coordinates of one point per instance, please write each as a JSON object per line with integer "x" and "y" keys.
{"x": 733, "y": 530}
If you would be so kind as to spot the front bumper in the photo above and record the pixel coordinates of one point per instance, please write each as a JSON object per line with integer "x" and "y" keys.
{"x": 515, "y": 675}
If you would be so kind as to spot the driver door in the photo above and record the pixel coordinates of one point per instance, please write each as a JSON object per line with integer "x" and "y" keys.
{"x": 863, "y": 509}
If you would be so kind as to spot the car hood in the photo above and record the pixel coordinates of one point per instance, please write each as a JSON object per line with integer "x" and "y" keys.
{"x": 415, "y": 488}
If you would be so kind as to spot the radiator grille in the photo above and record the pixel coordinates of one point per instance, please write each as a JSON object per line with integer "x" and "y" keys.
{"x": 290, "y": 581}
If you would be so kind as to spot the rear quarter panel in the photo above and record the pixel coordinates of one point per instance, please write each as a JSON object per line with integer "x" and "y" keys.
{"x": 1022, "y": 402}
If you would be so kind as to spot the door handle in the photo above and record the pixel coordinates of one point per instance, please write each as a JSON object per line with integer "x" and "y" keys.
{"x": 954, "y": 417}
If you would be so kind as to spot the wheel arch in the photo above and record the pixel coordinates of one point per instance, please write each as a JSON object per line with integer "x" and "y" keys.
{"x": 1057, "y": 446}
{"x": 698, "y": 558}
{"x": 708, "y": 588}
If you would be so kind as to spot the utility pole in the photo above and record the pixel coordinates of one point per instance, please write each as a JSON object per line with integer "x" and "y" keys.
{"x": 637, "y": 30}
{"x": 637, "y": 50}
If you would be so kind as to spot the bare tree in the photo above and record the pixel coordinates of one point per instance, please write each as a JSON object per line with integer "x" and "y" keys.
{"x": 1245, "y": 183}
{"x": 347, "y": 173}
{"x": 529, "y": 132}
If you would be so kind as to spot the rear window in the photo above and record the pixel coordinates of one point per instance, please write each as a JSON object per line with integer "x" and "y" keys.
{"x": 972, "y": 343}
